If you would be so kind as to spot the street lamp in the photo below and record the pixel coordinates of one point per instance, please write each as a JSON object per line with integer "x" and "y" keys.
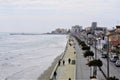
{"x": 95, "y": 56}
{"x": 95, "y": 49}
{"x": 95, "y": 68}
{"x": 108, "y": 34}
{"x": 107, "y": 55}
{"x": 95, "y": 39}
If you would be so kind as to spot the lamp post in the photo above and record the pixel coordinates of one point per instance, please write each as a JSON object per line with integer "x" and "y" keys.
{"x": 95, "y": 56}
{"x": 95, "y": 68}
{"x": 108, "y": 56}
{"x": 95, "y": 46}
{"x": 95, "y": 49}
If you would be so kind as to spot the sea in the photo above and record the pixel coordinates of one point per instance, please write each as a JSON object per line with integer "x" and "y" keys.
{"x": 26, "y": 57}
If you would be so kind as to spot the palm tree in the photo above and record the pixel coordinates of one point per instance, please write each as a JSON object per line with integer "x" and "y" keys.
{"x": 95, "y": 63}
{"x": 88, "y": 53}
{"x": 112, "y": 78}
{"x": 85, "y": 47}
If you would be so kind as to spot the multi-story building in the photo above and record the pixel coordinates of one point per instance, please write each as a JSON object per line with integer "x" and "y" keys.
{"x": 114, "y": 36}
{"x": 94, "y": 25}
{"x": 76, "y": 29}
{"x": 96, "y": 30}
{"x": 59, "y": 31}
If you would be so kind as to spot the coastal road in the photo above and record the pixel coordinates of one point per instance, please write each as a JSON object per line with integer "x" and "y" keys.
{"x": 114, "y": 71}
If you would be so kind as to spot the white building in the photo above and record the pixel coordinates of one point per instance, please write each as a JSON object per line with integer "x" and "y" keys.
{"x": 76, "y": 29}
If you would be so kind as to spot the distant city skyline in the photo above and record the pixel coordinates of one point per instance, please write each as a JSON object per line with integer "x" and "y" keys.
{"x": 46, "y": 15}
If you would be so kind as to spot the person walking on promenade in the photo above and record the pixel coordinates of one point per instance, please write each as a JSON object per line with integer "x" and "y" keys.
{"x": 55, "y": 74}
{"x": 63, "y": 62}
{"x": 69, "y": 60}
{"x": 59, "y": 63}
{"x": 74, "y": 52}
{"x": 70, "y": 44}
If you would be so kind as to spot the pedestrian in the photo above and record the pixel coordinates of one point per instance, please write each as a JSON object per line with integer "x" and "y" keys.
{"x": 55, "y": 74}
{"x": 63, "y": 62}
{"x": 59, "y": 63}
{"x": 70, "y": 44}
{"x": 74, "y": 52}
{"x": 69, "y": 60}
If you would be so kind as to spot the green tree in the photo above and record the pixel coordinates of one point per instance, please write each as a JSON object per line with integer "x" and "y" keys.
{"x": 82, "y": 43}
{"x": 88, "y": 53}
{"x": 85, "y": 48}
{"x": 112, "y": 78}
{"x": 97, "y": 63}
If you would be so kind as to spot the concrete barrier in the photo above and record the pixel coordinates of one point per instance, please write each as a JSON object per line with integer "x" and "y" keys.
{"x": 56, "y": 66}
{"x": 52, "y": 74}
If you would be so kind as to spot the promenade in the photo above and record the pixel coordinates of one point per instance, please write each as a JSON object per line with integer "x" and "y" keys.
{"x": 66, "y": 68}
{"x": 77, "y": 68}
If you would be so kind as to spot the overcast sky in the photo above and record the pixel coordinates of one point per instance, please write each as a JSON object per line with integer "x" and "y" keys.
{"x": 46, "y": 15}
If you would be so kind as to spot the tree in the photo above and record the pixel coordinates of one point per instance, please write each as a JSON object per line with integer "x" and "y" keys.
{"x": 82, "y": 43}
{"x": 88, "y": 53}
{"x": 78, "y": 40}
{"x": 112, "y": 78}
{"x": 97, "y": 63}
{"x": 117, "y": 51}
{"x": 85, "y": 48}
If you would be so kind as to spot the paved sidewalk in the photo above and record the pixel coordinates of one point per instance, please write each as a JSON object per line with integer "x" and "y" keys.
{"x": 82, "y": 70}
{"x": 66, "y": 71}
{"x": 77, "y": 71}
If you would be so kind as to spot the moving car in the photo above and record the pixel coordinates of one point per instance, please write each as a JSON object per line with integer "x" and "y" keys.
{"x": 103, "y": 55}
{"x": 117, "y": 63}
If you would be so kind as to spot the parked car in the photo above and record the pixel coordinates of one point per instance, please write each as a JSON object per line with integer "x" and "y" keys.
{"x": 117, "y": 63}
{"x": 114, "y": 58}
{"x": 103, "y": 55}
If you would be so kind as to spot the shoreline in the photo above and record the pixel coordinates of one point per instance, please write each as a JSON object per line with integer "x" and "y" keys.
{"x": 47, "y": 73}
